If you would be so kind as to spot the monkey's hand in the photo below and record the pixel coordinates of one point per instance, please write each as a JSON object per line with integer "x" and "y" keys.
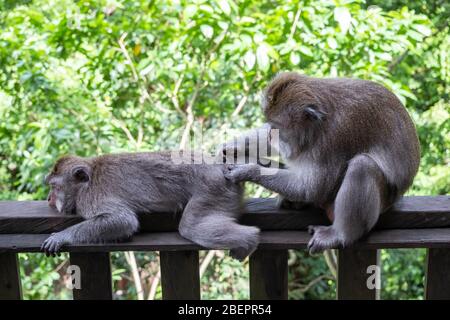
{"x": 52, "y": 245}
{"x": 243, "y": 172}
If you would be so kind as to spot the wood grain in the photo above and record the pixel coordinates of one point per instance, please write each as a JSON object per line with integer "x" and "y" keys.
{"x": 275, "y": 240}
{"x": 437, "y": 282}
{"x": 10, "y": 286}
{"x": 95, "y": 269}
{"x": 353, "y": 276}
{"x": 269, "y": 275}
{"x": 180, "y": 279}
{"x": 409, "y": 212}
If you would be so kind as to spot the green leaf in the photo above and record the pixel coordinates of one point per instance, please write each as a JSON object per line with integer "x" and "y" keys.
{"x": 189, "y": 11}
{"x": 246, "y": 40}
{"x": 144, "y": 63}
{"x": 147, "y": 70}
{"x": 423, "y": 30}
{"x": 224, "y": 5}
{"x": 415, "y": 35}
{"x": 306, "y": 51}
{"x": 385, "y": 56}
{"x": 332, "y": 43}
{"x": 207, "y": 30}
{"x": 206, "y": 8}
{"x": 249, "y": 59}
{"x": 262, "y": 57}
{"x": 343, "y": 18}
{"x": 223, "y": 25}
{"x": 294, "y": 58}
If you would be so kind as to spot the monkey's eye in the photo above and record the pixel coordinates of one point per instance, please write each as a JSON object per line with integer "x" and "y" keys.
{"x": 54, "y": 181}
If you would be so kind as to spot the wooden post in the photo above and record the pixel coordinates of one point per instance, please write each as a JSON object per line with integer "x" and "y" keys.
{"x": 10, "y": 287}
{"x": 353, "y": 274}
{"x": 269, "y": 275}
{"x": 95, "y": 273}
{"x": 180, "y": 278}
{"x": 438, "y": 274}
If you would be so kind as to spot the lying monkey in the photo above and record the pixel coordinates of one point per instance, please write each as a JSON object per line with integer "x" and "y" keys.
{"x": 109, "y": 191}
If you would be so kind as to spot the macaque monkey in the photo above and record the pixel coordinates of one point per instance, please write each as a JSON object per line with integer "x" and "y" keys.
{"x": 349, "y": 146}
{"x": 110, "y": 191}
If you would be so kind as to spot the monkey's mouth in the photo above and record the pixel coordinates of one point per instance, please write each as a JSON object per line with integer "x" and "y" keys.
{"x": 51, "y": 199}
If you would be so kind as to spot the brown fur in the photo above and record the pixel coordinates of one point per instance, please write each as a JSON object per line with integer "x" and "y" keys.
{"x": 349, "y": 144}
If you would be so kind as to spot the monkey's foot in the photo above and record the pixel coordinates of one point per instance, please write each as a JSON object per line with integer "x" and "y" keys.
{"x": 324, "y": 237}
{"x": 240, "y": 173}
{"x": 52, "y": 245}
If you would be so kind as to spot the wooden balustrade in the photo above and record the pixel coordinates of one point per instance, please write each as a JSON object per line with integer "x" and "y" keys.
{"x": 414, "y": 222}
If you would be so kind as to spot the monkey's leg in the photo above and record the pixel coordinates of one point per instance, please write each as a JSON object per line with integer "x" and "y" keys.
{"x": 215, "y": 229}
{"x": 106, "y": 227}
{"x": 357, "y": 207}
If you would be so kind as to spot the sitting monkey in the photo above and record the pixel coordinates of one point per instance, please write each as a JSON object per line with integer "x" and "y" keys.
{"x": 349, "y": 145}
{"x": 109, "y": 191}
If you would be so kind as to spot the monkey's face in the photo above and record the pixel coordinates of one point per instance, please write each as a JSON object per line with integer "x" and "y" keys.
{"x": 290, "y": 107}
{"x": 288, "y": 102}
{"x": 68, "y": 175}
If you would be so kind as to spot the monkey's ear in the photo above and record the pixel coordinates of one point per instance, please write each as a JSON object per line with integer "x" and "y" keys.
{"x": 313, "y": 113}
{"x": 81, "y": 173}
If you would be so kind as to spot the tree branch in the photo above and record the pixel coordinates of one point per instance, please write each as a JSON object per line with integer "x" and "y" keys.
{"x": 206, "y": 261}
{"x": 402, "y": 57}
{"x": 197, "y": 88}
{"x": 294, "y": 24}
{"x": 305, "y": 288}
{"x": 121, "y": 125}
{"x": 331, "y": 260}
{"x": 131, "y": 259}
{"x": 154, "y": 286}
{"x": 243, "y": 101}
{"x": 174, "y": 96}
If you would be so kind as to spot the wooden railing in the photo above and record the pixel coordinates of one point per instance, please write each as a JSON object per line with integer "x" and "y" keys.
{"x": 414, "y": 222}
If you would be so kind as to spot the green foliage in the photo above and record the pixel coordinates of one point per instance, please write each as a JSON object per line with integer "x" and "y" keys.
{"x": 92, "y": 77}
{"x": 402, "y": 273}
{"x": 44, "y": 278}
{"x": 225, "y": 278}
{"x": 310, "y": 278}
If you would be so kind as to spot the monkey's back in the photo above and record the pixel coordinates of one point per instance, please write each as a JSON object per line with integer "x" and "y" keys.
{"x": 370, "y": 119}
{"x": 157, "y": 181}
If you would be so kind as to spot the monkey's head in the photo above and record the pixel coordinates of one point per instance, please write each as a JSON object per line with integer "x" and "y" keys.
{"x": 68, "y": 175}
{"x": 290, "y": 106}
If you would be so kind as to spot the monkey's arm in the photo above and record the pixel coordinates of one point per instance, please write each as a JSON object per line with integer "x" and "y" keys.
{"x": 291, "y": 185}
{"x": 104, "y": 227}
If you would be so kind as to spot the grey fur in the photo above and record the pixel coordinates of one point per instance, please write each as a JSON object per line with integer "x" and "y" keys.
{"x": 349, "y": 146}
{"x": 111, "y": 190}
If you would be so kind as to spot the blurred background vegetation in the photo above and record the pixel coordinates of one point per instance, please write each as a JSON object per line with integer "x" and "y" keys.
{"x": 92, "y": 77}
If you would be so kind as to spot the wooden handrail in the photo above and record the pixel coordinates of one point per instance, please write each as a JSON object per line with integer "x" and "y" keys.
{"x": 409, "y": 212}
{"x": 269, "y": 240}
{"x": 414, "y": 222}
